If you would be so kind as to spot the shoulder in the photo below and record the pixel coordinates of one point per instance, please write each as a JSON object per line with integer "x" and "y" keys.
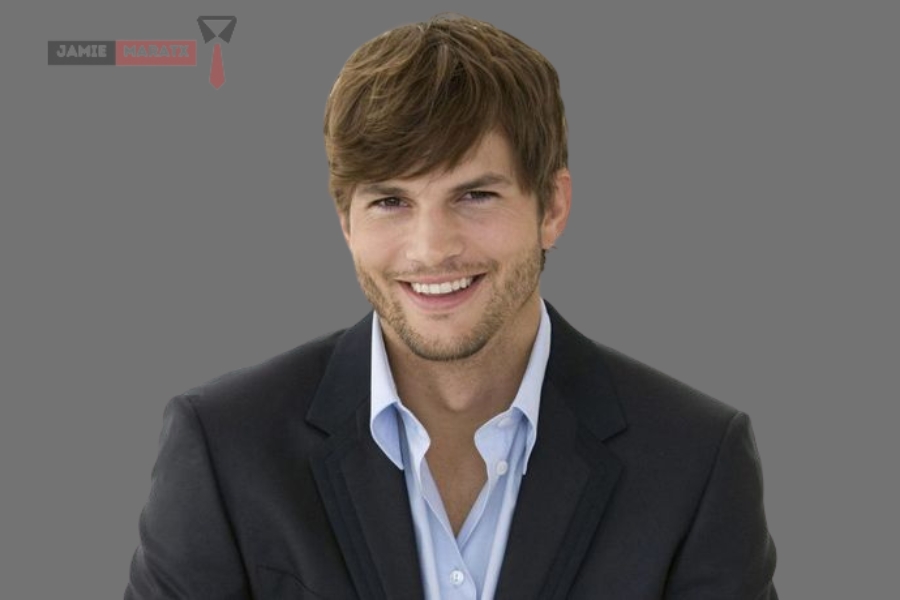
{"x": 667, "y": 435}
{"x": 671, "y": 425}
{"x": 645, "y": 392}
{"x": 657, "y": 411}
{"x": 280, "y": 386}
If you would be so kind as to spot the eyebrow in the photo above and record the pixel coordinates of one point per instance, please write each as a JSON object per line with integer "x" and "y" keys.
{"x": 488, "y": 179}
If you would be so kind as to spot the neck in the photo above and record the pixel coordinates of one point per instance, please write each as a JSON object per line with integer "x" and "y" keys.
{"x": 452, "y": 399}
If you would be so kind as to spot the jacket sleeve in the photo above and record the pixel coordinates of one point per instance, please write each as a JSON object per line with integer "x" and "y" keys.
{"x": 728, "y": 552}
{"x": 187, "y": 548}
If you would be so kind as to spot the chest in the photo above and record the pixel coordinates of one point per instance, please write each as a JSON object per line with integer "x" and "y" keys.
{"x": 459, "y": 478}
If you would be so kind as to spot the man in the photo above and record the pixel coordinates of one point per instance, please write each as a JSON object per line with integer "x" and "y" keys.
{"x": 463, "y": 440}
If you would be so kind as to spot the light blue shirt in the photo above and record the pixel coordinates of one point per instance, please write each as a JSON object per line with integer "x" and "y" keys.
{"x": 466, "y": 566}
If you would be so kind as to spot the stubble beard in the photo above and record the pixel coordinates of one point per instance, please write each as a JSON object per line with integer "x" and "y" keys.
{"x": 508, "y": 296}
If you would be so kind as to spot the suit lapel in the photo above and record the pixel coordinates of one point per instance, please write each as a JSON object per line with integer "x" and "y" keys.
{"x": 363, "y": 492}
{"x": 570, "y": 478}
{"x": 571, "y": 474}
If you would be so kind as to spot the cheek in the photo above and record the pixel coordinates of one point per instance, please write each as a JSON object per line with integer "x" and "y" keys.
{"x": 372, "y": 252}
{"x": 512, "y": 238}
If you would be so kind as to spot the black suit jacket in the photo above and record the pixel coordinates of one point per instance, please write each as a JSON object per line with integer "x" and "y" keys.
{"x": 268, "y": 485}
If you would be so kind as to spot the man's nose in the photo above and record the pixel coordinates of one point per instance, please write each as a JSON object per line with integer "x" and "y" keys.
{"x": 434, "y": 237}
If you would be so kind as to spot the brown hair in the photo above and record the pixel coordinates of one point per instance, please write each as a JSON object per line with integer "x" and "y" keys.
{"x": 421, "y": 96}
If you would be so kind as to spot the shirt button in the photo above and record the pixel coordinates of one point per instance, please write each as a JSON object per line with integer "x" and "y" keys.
{"x": 457, "y": 577}
{"x": 505, "y": 422}
{"x": 502, "y": 467}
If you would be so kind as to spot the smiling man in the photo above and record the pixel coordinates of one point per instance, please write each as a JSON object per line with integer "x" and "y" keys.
{"x": 462, "y": 440}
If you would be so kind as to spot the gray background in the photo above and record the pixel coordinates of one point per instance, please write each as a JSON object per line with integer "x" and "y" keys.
{"x": 734, "y": 225}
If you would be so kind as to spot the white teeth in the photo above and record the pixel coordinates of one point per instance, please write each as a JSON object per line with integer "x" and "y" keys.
{"x": 433, "y": 289}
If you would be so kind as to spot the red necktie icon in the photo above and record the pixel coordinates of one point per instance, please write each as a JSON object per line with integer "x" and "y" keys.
{"x": 217, "y": 70}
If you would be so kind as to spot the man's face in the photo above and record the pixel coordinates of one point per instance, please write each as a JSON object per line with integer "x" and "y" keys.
{"x": 451, "y": 259}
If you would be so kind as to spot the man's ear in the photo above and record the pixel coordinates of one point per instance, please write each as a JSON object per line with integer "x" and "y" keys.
{"x": 556, "y": 213}
{"x": 344, "y": 218}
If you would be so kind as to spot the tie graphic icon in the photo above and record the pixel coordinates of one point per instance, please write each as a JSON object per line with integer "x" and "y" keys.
{"x": 217, "y": 69}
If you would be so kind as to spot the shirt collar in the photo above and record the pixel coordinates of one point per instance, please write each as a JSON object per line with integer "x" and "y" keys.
{"x": 528, "y": 398}
{"x": 383, "y": 422}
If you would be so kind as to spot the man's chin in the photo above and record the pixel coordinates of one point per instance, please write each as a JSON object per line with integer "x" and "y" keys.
{"x": 437, "y": 341}
{"x": 442, "y": 351}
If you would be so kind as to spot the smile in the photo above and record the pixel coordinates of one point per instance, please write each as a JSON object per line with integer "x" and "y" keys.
{"x": 441, "y": 296}
{"x": 446, "y": 287}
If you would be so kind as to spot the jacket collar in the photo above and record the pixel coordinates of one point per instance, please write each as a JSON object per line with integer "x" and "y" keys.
{"x": 570, "y": 478}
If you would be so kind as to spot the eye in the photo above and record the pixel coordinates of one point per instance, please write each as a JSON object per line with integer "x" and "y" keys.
{"x": 389, "y": 203}
{"x": 478, "y": 196}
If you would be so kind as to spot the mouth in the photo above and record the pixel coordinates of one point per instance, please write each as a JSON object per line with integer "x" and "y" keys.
{"x": 442, "y": 295}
